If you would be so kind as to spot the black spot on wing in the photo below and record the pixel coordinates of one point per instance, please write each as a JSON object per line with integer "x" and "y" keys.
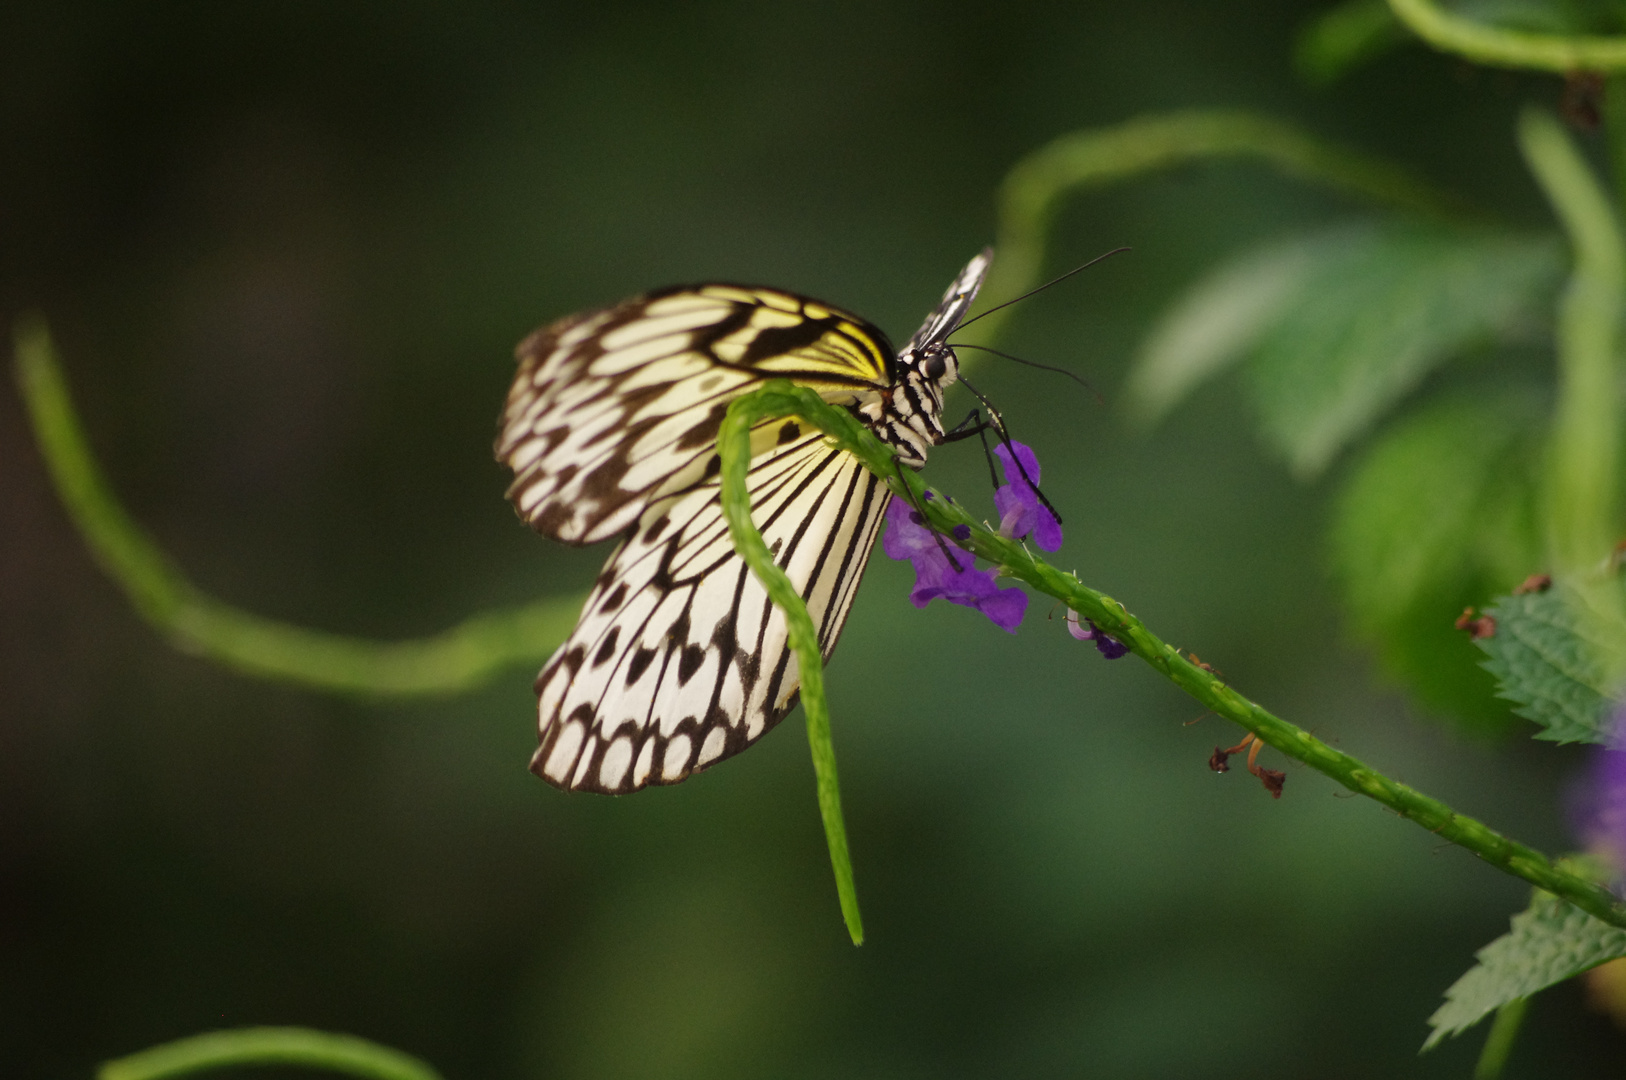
{"x": 641, "y": 659}
{"x": 779, "y": 340}
{"x": 704, "y": 432}
{"x": 689, "y": 663}
{"x": 789, "y": 433}
{"x": 615, "y": 599}
{"x": 607, "y": 650}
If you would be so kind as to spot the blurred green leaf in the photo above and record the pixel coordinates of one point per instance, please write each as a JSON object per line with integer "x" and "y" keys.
{"x": 1440, "y": 513}
{"x": 1376, "y": 316}
{"x": 1550, "y": 941}
{"x": 1342, "y": 39}
{"x": 1338, "y": 326}
{"x": 1221, "y": 318}
{"x": 1545, "y": 662}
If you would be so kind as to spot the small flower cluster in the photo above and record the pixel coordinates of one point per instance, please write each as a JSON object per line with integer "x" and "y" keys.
{"x": 936, "y": 575}
{"x": 1022, "y": 514}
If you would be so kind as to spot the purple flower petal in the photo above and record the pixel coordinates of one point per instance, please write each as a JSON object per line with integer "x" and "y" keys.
{"x": 1598, "y": 808}
{"x": 907, "y": 537}
{"x": 1020, "y": 511}
{"x": 1085, "y": 630}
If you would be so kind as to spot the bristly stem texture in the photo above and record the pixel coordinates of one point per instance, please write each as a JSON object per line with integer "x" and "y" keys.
{"x": 734, "y": 446}
{"x": 195, "y": 622}
{"x": 262, "y": 1046}
{"x": 1498, "y": 46}
{"x": 781, "y": 398}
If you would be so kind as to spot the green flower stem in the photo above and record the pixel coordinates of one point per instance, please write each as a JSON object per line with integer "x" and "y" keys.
{"x": 268, "y": 1046}
{"x": 1500, "y": 47}
{"x": 1499, "y": 1043}
{"x": 734, "y": 446}
{"x": 1036, "y": 186}
{"x": 1586, "y": 426}
{"x": 1015, "y": 560}
{"x": 1583, "y": 466}
{"x": 458, "y": 659}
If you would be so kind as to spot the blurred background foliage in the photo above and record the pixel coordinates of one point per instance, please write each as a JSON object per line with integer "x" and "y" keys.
{"x": 287, "y": 250}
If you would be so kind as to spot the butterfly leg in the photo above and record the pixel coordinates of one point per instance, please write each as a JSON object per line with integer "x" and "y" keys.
{"x": 997, "y": 423}
{"x": 974, "y": 424}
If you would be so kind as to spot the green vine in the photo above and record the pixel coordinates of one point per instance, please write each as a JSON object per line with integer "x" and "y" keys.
{"x": 779, "y": 398}
{"x": 262, "y": 1046}
{"x": 734, "y": 446}
{"x": 457, "y": 660}
{"x": 1035, "y": 187}
{"x": 1500, "y": 47}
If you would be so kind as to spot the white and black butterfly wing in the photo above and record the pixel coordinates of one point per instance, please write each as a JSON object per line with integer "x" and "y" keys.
{"x": 956, "y": 302}
{"x": 680, "y": 658}
{"x": 615, "y": 408}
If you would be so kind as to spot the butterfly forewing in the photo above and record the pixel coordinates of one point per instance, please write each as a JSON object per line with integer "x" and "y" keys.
{"x": 680, "y": 658}
{"x": 613, "y": 409}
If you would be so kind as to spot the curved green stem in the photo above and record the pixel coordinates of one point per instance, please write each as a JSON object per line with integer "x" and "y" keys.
{"x": 1504, "y": 1033}
{"x": 734, "y": 446}
{"x": 1583, "y": 456}
{"x": 268, "y": 1046}
{"x": 1015, "y": 560}
{"x": 1500, "y": 47}
{"x": 459, "y": 659}
{"x": 1033, "y": 190}
{"x": 1586, "y": 424}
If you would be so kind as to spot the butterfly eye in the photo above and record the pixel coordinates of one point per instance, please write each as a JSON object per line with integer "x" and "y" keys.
{"x": 936, "y": 366}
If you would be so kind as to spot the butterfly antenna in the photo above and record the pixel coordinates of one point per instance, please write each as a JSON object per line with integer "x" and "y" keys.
{"x": 997, "y": 422}
{"x": 1041, "y": 288}
{"x": 1080, "y": 380}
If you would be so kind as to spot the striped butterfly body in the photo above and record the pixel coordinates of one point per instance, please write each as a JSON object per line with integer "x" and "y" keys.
{"x": 680, "y": 659}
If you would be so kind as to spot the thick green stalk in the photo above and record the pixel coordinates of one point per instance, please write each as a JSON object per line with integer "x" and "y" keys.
{"x": 1504, "y": 1033}
{"x": 268, "y": 1046}
{"x": 1581, "y": 482}
{"x": 1015, "y": 560}
{"x": 459, "y": 659}
{"x": 1501, "y": 47}
{"x": 734, "y": 445}
{"x": 1583, "y": 455}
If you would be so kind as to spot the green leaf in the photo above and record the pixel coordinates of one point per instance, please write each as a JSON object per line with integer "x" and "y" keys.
{"x": 1439, "y": 513}
{"x": 1548, "y": 664}
{"x": 1342, "y": 39}
{"x": 1378, "y": 315}
{"x": 1220, "y": 319}
{"x": 1337, "y": 326}
{"x": 1549, "y": 942}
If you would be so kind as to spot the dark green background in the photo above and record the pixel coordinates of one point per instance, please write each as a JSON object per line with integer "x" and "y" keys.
{"x": 287, "y": 249}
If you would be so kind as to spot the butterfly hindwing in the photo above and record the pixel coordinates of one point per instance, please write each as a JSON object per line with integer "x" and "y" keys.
{"x": 613, "y": 409}
{"x": 680, "y": 659}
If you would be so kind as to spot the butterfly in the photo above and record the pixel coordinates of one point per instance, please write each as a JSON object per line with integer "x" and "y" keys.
{"x": 680, "y": 659}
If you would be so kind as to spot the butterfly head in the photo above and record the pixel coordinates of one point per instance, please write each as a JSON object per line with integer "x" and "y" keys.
{"x": 911, "y": 419}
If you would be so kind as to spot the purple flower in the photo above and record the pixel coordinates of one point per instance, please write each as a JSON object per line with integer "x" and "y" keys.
{"x": 1085, "y": 630}
{"x": 1020, "y": 511}
{"x": 907, "y": 537}
{"x": 1598, "y": 808}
